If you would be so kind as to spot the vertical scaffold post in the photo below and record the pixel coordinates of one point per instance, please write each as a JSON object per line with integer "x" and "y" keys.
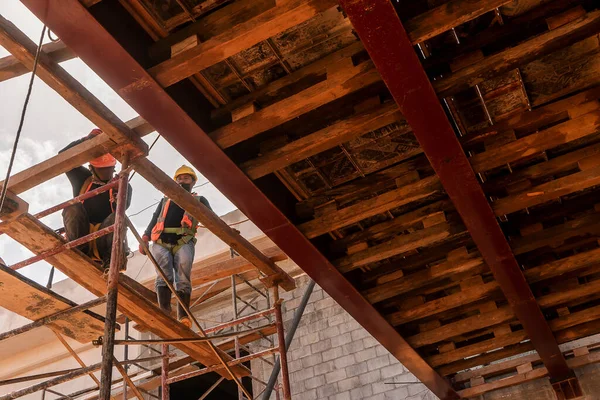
{"x": 235, "y": 327}
{"x": 165, "y": 391}
{"x": 285, "y": 377}
{"x": 116, "y": 258}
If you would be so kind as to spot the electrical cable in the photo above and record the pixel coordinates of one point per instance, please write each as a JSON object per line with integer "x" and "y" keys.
{"x": 23, "y": 112}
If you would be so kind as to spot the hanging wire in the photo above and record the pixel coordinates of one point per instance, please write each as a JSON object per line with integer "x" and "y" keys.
{"x": 52, "y": 39}
{"x": 23, "y": 112}
{"x": 150, "y": 148}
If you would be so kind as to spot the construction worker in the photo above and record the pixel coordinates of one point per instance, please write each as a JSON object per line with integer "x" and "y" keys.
{"x": 95, "y": 213}
{"x": 172, "y": 231}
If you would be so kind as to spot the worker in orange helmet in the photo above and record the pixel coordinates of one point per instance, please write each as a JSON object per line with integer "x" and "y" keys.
{"x": 95, "y": 213}
{"x": 173, "y": 233}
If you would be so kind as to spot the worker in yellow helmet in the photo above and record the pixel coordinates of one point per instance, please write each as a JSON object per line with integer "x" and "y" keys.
{"x": 172, "y": 231}
{"x": 97, "y": 212}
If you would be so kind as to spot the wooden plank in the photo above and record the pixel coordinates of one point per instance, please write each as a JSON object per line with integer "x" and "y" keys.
{"x": 39, "y": 238}
{"x": 453, "y": 329}
{"x": 393, "y": 226}
{"x": 33, "y": 301}
{"x": 530, "y": 121}
{"x": 485, "y": 352}
{"x": 71, "y": 158}
{"x": 424, "y": 277}
{"x": 287, "y": 14}
{"x": 563, "y": 266}
{"x": 208, "y": 291}
{"x": 343, "y": 78}
{"x": 562, "y": 297}
{"x": 211, "y": 25}
{"x": 10, "y": 67}
{"x": 548, "y": 168}
{"x": 547, "y": 191}
{"x": 17, "y": 43}
{"x": 210, "y": 220}
{"x": 444, "y": 304}
{"x": 521, "y": 54}
{"x": 512, "y": 381}
{"x": 368, "y": 208}
{"x": 576, "y": 318}
{"x": 565, "y": 17}
{"x": 279, "y": 88}
{"x": 398, "y": 245}
{"x": 323, "y": 139}
{"x": 556, "y": 235}
{"x": 446, "y": 17}
{"x": 237, "y": 265}
{"x": 557, "y": 135}
{"x": 495, "y": 369}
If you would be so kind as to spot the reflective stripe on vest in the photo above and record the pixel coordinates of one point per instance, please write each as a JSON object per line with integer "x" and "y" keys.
{"x": 189, "y": 225}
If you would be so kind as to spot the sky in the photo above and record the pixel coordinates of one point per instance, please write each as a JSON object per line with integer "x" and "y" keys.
{"x": 50, "y": 124}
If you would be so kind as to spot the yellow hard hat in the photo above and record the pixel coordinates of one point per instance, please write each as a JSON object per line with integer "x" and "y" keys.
{"x": 184, "y": 169}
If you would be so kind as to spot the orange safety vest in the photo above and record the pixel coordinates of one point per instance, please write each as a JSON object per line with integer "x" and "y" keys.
{"x": 189, "y": 225}
{"x": 87, "y": 185}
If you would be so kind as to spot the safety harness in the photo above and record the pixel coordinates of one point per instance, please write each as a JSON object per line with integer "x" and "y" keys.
{"x": 86, "y": 187}
{"x": 187, "y": 230}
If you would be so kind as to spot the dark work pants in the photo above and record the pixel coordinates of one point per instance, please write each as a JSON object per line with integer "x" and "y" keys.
{"x": 77, "y": 225}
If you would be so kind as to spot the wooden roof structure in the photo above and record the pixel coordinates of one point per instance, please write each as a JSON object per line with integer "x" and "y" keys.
{"x": 433, "y": 165}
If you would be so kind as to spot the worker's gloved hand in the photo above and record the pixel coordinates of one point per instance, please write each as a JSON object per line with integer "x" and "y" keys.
{"x": 146, "y": 240}
{"x": 94, "y": 132}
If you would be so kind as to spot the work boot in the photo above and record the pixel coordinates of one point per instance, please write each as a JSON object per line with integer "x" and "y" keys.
{"x": 164, "y": 298}
{"x": 181, "y": 314}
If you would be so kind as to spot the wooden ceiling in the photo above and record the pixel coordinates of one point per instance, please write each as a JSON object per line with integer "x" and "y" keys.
{"x": 299, "y": 106}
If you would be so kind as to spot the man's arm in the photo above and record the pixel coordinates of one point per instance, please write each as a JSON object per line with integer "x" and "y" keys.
{"x": 77, "y": 175}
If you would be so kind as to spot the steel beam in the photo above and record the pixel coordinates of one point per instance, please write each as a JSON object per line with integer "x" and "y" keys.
{"x": 386, "y": 41}
{"x": 82, "y": 33}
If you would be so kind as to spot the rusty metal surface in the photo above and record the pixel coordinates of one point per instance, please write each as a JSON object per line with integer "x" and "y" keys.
{"x": 99, "y": 50}
{"x": 384, "y": 37}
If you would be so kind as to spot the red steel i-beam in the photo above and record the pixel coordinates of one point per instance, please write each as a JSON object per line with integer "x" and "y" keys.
{"x": 386, "y": 41}
{"x": 78, "y": 29}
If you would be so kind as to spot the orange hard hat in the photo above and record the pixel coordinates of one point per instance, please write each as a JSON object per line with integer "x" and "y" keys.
{"x": 104, "y": 161}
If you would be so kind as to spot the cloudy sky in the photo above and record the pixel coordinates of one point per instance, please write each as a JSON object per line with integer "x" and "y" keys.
{"x": 50, "y": 124}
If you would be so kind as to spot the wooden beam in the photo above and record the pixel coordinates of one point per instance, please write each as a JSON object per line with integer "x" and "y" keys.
{"x": 519, "y": 55}
{"x": 28, "y": 299}
{"x": 38, "y": 238}
{"x": 10, "y": 67}
{"x": 469, "y": 324}
{"x": 447, "y": 16}
{"x": 444, "y": 304}
{"x": 16, "y": 42}
{"x": 368, "y": 208}
{"x": 342, "y": 78}
{"x": 547, "y": 191}
{"x": 398, "y": 245}
{"x": 530, "y": 121}
{"x": 211, "y": 25}
{"x": 71, "y": 158}
{"x": 392, "y": 227}
{"x": 563, "y": 266}
{"x": 556, "y": 235}
{"x": 287, "y": 14}
{"x": 210, "y": 220}
{"x": 311, "y": 73}
{"x": 424, "y": 277}
{"x": 495, "y": 369}
{"x": 538, "y": 373}
{"x": 208, "y": 291}
{"x": 76, "y": 357}
{"x": 223, "y": 269}
{"x": 324, "y": 139}
{"x": 577, "y": 128}
{"x": 466, "y": 352}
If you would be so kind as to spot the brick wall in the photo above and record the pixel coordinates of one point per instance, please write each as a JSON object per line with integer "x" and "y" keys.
{"x": 332, "y": 357}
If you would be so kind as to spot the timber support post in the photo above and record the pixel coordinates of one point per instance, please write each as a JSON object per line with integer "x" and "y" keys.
{"x": 116, "y": 259}
{"x": 285, "y": 377}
